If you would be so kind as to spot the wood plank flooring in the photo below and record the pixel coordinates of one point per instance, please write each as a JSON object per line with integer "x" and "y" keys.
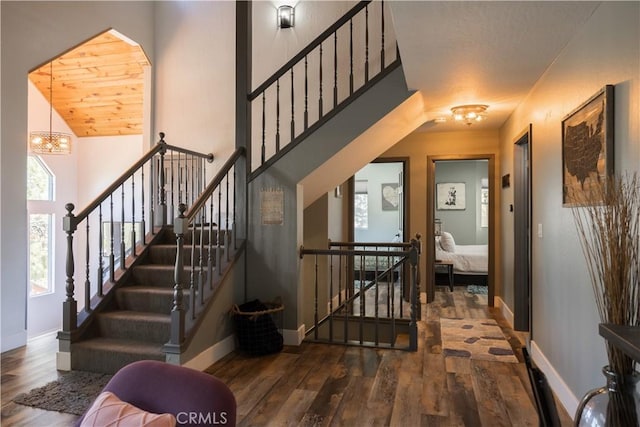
{"x": 318, "y": 384}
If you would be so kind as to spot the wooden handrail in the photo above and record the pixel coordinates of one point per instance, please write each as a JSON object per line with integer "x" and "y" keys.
{"x": 159, "y": 147}
{"x": 310, "y": 47}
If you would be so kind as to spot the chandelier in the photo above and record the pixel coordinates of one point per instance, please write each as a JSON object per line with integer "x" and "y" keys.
{"x": 469, "y": 114}
{"x": 49, "y": 142}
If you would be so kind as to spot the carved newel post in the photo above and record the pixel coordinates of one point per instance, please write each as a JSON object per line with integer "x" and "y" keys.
{"x": 70, "y": 306}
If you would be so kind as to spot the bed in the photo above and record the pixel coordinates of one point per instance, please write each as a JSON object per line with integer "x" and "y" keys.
{"x": 470, "y": 262}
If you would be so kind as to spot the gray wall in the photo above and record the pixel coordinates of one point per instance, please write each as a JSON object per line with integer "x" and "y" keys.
{"x": 565, "y": 320}
{"x": 464, "y": 225}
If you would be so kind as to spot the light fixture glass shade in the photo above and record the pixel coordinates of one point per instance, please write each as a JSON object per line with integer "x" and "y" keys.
{"x": 286, "y": 16}
{"x": 46, "y": 142}
{"x": 470, "y": 114}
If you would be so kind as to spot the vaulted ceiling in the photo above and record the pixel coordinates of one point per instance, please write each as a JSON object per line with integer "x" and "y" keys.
{"x": 98, "y": 87}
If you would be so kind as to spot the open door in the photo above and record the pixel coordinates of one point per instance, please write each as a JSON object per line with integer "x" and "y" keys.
{"x": 522, "y": 232}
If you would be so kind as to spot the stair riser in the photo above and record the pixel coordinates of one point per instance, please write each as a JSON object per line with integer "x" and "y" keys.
{"x": 146, "y": 301}
{"x": 107, "y": 361}
{"x": 134, "y": 329}
{"x": 166, "y": 255}
{"x": 170, "y": 237}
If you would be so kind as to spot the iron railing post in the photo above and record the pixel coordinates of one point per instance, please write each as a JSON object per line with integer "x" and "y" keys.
{"x": 413, "y": 324}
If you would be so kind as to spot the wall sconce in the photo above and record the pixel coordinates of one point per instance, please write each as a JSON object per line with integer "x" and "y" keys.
{"x": 286, "y": 16}
{"x": 437, "y": 227}
{"x": 469, "y": 114}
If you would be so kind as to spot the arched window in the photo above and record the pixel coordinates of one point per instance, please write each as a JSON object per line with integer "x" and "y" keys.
{"x": 40, "y": 194}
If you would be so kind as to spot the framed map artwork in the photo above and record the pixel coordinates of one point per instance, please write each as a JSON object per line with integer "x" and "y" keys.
{"x": 587, "y": 146}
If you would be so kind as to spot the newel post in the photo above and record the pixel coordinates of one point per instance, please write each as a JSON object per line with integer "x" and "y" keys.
{"x": 177, "y": 312}
{"x": 69, "y": 306}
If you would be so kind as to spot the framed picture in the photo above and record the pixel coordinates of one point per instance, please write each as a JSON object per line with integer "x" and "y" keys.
{"x": 587, "y": 146}
{"x": 390, "y": 196}
{"x": 450, "y": 196}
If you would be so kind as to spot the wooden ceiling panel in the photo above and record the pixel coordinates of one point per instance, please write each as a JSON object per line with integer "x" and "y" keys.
{"x": 98, "y": 87}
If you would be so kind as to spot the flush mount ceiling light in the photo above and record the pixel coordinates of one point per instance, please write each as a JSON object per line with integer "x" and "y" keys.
{"x": 469, "y": 114}
{"x": 286, "y": 16}
{"x": 49, "y": 142}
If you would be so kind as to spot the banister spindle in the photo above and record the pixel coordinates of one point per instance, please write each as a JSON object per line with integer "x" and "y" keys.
{"x": 178, "y": 187}
{"x": 112, "y": 256}
{"x": 210, "y": 246}
{"x": 200, "y": 256}
{"x": 306, "y": 93}
{"x": 350, "y": 56}
{"x": 366, "y": 44}
{"x": 382, "y": 41}
{"x": 320, "y": 77}
{"x": 152, "y": 189}
{"x": 263, "y": 153}
{"x": 173, "y": 182}
{"x": 193, "y": 177}
{"x": 233, "y": 225}
{"x": 87, "y": 282}
{"x": 227, "y": 236}
{"x": 163, "y": 194}
{"x": 335, "y": 69}
{"x": 100, "y": 251}
{"x": 143, "y": 226}
{"x": 123, "y": 247}
{"x": 277, "y": 115}
{"x": 133, "y": 215}
{"x": 219, "y": 247}
{"x": 293, "y": 121}
{"x": 315, "y": 305}
{"x": 70, "y": 311}
{"x": 177, "y": 312}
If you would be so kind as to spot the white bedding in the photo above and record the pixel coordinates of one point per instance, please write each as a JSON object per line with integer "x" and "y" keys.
{"x": 467, "y": 259}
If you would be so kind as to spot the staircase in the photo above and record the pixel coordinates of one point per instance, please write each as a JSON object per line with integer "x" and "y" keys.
{"x": 156, "y": 286}
{"x": 136, "y": 323}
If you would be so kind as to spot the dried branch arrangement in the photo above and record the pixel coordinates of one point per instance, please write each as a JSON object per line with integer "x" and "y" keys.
{"x": 608, "y": 224}
{"x": 610, "y": 235}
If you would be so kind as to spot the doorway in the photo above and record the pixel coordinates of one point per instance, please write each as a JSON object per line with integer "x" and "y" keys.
{"x": 460, "y": 209}
{"x": 379, "y": 202}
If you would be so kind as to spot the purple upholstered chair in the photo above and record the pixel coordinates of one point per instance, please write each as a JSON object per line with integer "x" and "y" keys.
{"x": 193, "y": 397}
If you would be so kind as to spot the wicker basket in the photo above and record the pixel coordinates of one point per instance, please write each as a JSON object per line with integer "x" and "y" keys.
{"x": 256, "y": 328}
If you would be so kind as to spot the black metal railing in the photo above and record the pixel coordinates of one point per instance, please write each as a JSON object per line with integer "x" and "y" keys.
{"x": 366, "y": 290}
{"x": 115, "y": 226}
{"x": 323, "y": 78}
{"x": 209, "y": 228}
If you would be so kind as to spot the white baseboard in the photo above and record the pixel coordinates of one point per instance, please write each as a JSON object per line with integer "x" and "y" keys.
{"x": 13, "y": 341}
{"x": 293, "y": 336}
{"x": 212, "y": 354}
{"x": 63, "y": 361}
{"x": 557, "y": 384}
{"x": 505, "y": 310}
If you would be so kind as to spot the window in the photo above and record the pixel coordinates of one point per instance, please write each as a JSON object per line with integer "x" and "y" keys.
{"x": 40, "y": 194}
{"x": 39, "y": 180}
{"x": 361, "y": 205}
{"x": 40, "y": 247}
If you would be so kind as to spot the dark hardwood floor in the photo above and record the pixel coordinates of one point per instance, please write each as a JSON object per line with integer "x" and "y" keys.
{"x": 317, "y": 384}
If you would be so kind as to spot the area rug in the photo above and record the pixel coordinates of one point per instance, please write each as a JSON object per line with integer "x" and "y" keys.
{"x": 477, "y": 290}
{"x": 72, "y": 393}
{"x": 479, "y": 339}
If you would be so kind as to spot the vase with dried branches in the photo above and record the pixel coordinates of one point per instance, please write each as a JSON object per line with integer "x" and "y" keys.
{"x": 608, "y": 222}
